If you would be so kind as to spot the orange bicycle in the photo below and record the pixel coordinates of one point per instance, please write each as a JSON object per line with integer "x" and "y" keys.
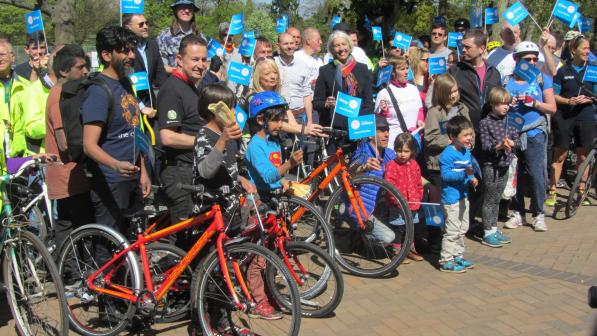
{"x": 113, "y": 289}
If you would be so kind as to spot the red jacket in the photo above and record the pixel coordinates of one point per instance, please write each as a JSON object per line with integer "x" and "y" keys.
{"x": 407, "y": 178}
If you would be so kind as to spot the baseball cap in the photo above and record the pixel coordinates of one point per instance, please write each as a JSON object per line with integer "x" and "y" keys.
{"x": 571, "y": 35}
{"x": 381, "y": 123}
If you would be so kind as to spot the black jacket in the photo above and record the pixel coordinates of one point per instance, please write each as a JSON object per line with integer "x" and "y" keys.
{"x": 156, "y": 72}
{"x": 470, "y": 93}
{"x": 323, "y": 90}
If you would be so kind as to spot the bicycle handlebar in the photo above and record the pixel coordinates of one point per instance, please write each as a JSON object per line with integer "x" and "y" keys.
{"x": 192, "y": 188}
{"x": 334, "y": 132}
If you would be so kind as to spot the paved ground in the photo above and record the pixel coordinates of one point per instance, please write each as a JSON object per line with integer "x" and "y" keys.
{"x": 536, "y": 286}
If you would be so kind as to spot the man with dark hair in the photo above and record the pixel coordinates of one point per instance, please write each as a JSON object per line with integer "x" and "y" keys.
{"x": 263, "y": 48}
{"x": 462, "y": 26}
{"x": 179, "y": 122}
{"x": 439, "y": 36}
{"x": 38, "y": 58}
{"x": 110, "y": 114}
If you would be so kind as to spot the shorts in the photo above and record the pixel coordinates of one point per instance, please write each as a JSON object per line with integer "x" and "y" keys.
{"x": 583, "y": 132}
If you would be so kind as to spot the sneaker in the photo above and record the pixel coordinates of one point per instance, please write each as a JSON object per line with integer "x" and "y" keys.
{"x": 451, "y": 267}
{"x": 502, "y": 237}
{"x": 491, "y": 241}
{"x": 539, "y": 223}
{"x": 464, "y": 263}
{"x": 265, "y": 311}
{"x": 515, "y": 221}
{"x": 551, "y": 199}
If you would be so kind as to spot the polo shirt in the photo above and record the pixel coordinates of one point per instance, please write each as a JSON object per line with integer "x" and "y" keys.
{"x": 566, "y": 84}
{"x": 295, "y": 81}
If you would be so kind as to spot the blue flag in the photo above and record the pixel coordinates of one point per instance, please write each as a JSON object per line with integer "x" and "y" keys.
{"x": 240, "y": 73}
{"x": 215, "y": 48}
{"x": 335, "y": 20}
{"x": 591, "y": 74}
{"x": 249, "y": 34}
{"x": 574, "y": 20}
{"x": 347, "y": 105}
{"x": 140, "y": 81}
{"x": 241, "y": 117}
{"x": 34, "y": 22}
{"x": 237, "y": 24}
{"x": 434, "y": 215}
{"x": 367, "y": 23}
{"x": 516, "y": 13}
{"x": 377, "y": 35}
{"x": 437, "y": 65}
{"x": 585, "y": 25}
{"x": 383, "y": 75}
{"x": 565, "y": 10}
{"x": 281, "y": 25}
{"x": 361, "y": 127}
{"x": 142, "y": 143}
{"x": 526, "y": 71}
{"x": 247, "y": 46}
{"x": 410, "y": 75}
{"x": 476, "y": 14}
{"x": 132, "y": 6}
{"x": 402, "y": 41}
{"x": 453, "y": 38}
{"x": 491, "y": 16}
{"x": 515, "y": 120}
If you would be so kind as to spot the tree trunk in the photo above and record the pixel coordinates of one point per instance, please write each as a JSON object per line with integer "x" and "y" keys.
{"x": 62, "y": 18}
{"x": 442, "y": 9}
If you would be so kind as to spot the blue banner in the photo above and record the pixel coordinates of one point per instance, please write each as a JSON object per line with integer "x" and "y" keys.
{"x": 377, "y": 35}
{"x": 281, "y": 25}
{"x": 241, "y": 117}
{"x": 402, "y": 41}
{"x": 453, "y": 38}
{"x": 591, "y": 74}
{"x": 34, "y": 22}
{"x": 335, "y": 20}
{"x": 132, "y": 6}
{"x": 410, "y": 75}
{"x": 526, "y": 71}
{"x": 565, "y": 10}
{"x": 434, "y": 215}
{"x": 574, "y": 20}
{"x": 347, "y": 105}
{"x": 515, "y": 120}
{"x": 361, "y": 127}
{"x": 240, "y": 73}
{"x": 367, "y": 23}
{"x": 249, "y": 34}
{"x": 140, "y": 81}
{"x": 247, "y": 46}
{"x": 215, "y": 48}
{"x": 383, "y": 75}
{"x": 437, "y": 65}
{"x": 515, "y": 14}
{"x": 585, "y": 25}
{"x": 476, "y": 14}
{"x": 237, "y": 24}
{"x": 491, "y": 16}
{"x": 143, "y": 144}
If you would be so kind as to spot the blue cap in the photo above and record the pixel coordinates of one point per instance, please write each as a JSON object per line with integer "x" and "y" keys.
{"x": 184, "y": 2}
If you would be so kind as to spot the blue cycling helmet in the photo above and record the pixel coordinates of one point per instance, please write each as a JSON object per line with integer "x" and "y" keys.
{"x": 263, "y": 100}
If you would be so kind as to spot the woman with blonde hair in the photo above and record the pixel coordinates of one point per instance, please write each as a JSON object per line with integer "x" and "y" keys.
{"x": 419, "y": 62}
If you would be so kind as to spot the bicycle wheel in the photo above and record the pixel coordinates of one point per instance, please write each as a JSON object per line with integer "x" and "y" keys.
{"x": 307, "y": 223}
{"x": 373, "y": 252}
{"x": 34, "y": 288}
{"x": 577, "y": 196}
{"x": 84, "y": 252}
{"x": 213, "y": 305}
{"x": 177, "y": 303}
{"x": 322, "y": 285}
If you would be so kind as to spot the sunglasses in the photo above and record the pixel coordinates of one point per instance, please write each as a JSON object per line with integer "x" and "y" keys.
{"x": 531, "y": 59}
{"x": 143, "y": 24}
{"x": 424, "y": 60}
{"x": 437, "y": 34}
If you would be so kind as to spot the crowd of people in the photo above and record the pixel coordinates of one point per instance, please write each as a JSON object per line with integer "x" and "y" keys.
{"x": 443, "y": 139}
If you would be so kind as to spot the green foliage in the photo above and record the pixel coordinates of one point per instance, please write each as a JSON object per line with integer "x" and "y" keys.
{"x": 260, "y": 21}
{"x": 159, "y": 15}
{"x": 13, "y": 25}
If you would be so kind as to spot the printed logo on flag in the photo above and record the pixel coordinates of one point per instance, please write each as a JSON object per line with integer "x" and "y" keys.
{"x": 434, "y": 216}
{"x": 132, "y": 6}
{"x": 34, "y": 22}
{"x": 377, "y": 35}
{"x": 402, "y": 41}
{"x": 335, "y": 20}
{"x": 515, "y": 120}
{"x": 491, "y": 16}
{"x": 383, "y": 75}
{"x": 140, "y": 81}
{"x": 526, "y": 71}
{"x": 565, "y": 10}
{"x": 591, "y": 74}
{"x": 347, "y": 105}
{"x": 281, "y": 25}
{"x": 237, "y": 24}
{"x": 215, "y": 48}
{"x": 240, "y": 73}
{"x": 361, "y": 127}
{"x": 516, "y": 13}
{"x": 249, "y": 34}
{"x": 247, "y": 47}
{"x": 453, "y": 38}
{"x": 437, "y": 65}
{"x": 240, "y": 116}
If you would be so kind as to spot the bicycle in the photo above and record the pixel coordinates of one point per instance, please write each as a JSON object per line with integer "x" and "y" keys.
{"x": 34, "y": 287}
{"x": 587, "y": 176}
{"x": 112, "y": 292}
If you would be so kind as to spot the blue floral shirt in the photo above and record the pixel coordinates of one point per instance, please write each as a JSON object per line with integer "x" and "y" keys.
{"x": 169, "y": 43}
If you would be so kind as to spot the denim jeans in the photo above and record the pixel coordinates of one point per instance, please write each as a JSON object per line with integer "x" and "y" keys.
{"x": 532, "y": 164}
{"x": 381, "y": 232}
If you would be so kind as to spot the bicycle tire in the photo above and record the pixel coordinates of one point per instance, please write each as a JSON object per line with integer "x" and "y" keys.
{"x": 312, "y": 290}
{"x": 39, "y": 271}
{"x": 208, "y": 291}
{"x": 575, "y": 199}
{"x": 360, "y": 248}
{"x": 316, "y": 230}
{"x": 80, "y": 248}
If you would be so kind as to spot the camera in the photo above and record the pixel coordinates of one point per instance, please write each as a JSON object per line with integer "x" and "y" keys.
{"x": 592, "y": 297}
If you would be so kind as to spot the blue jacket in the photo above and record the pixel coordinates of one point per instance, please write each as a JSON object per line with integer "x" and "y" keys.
{"x": 455, "y": 181}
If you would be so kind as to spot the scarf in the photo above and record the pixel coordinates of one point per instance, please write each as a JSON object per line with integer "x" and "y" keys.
{"x": 397, "y": 83}
{"x": 344, "y": 71}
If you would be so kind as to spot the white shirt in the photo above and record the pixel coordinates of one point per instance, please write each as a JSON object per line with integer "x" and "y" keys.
{"x": 358, "y": 54}
{"x": 503, "y": 61}
{"x": 313, "y": 62}
{"x": 409, "y": 101}
{"x": 294, "y": 82}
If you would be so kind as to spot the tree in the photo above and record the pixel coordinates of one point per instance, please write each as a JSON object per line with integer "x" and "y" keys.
{"x": 260, "y": 22}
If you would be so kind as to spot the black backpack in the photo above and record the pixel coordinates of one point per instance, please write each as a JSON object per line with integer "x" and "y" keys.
{"x": 70, "y": 111}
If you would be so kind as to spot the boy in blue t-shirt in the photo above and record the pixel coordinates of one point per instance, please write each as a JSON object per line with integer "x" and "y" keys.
{"x": 456, "y": 168}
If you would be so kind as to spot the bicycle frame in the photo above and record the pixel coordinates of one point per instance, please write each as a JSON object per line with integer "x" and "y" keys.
{"x": 173, "y": 273}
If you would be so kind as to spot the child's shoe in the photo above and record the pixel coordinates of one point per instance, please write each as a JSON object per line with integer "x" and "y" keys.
{"x": 491, "y": 241}
{"x": 452, "y": 267}
{"x": 515, "y": 221}
{"x": 464, "y": 263}
{"x": 502, "y": 237}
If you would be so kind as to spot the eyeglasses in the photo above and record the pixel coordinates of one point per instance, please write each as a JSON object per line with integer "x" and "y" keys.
{"x": 531, "y": 59}
{"x": 143, "y": 24}
{"x": 424, "y": 60}
{"x": 437, "y": 34}
{"x": 6, "y": 55}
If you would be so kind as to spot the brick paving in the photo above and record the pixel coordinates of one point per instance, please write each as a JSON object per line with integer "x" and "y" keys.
{"x": 536, "y": 286}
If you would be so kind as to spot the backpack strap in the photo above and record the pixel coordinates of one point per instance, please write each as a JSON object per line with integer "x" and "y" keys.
{"x": 97, "y": 80}
{"x": 397, "y": 109}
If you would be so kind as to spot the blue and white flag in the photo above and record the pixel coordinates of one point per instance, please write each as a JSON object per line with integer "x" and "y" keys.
{"x": 476, "y": 14}
{"x": 437, "y": 65}
{"x": 247, "y": 46}
{"x": 377, "y": 35}
{"x": 335, "y": 20}
{"x": 143, "y": 144}
{"x": 585, "y": 25}
{"x": 453, "y": 38}
{"x": 591, "y": 74}
{"x": 215, "y": 48}
{"x": 132, "y": 6}
{"x": 402, "y": 41}
{"x": 383, "y": 75}
{"x": 516, "y": 13}
{"x": 237, "y": 24}
{"x": 249, "y": 34}
{"x": 515, "y": 120}
{"x": 241, "y": 117}
{"x": 565, "y": 10}
{"x": 361, "y": 127}
{"x": 34, "y": 21}
{"x": 140, "y": 81}
{"x": 410, "y": 75}
{"x": 434, "y": 215}
{"x": 347, "y": 105}
{"x": 281, "y": 25}
{"x": 240, "y": 73}
{"x": 491, "y": 16}
{"x": 574, "y": 21}
{"x": 526, "y": 71}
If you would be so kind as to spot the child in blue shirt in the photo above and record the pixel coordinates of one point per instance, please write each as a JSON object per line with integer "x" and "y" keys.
{"x": 456, "y": 169}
